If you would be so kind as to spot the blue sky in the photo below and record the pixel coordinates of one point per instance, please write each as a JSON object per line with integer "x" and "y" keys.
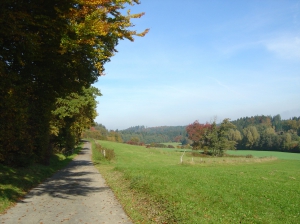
{"x": 204, "y": 59}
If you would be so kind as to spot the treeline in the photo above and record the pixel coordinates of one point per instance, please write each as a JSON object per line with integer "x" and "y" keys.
{"x": 139, "y": 134}
{"x": 256, "y": 133}
{"x": 269, "y": 133}
{"x": 50, "y": 54}
{"x": 154, "y": 134}
{"x": 100, "y": 132}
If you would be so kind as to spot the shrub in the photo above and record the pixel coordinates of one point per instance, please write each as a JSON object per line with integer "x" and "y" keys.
{"x": 157, "y": 145}
{"x": 200, "y": 154}
{"x": 107, "y": 154}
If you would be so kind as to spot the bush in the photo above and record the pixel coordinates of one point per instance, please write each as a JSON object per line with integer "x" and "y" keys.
{"x": 157, "y": 145}
{"x": 200, "y": 154}
{"x": 107, "y": 154}
{"x": 93, "y": 134}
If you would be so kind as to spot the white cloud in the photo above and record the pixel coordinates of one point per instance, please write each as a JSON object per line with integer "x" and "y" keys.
{"x": 287, "y": 47}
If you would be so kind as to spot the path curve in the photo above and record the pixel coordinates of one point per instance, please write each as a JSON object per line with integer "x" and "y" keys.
{"x": 76, "y": 194}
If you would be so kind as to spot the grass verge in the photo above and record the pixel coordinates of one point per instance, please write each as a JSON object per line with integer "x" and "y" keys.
{"x": 154, "y": 188}
{"x": 16, "y": 182}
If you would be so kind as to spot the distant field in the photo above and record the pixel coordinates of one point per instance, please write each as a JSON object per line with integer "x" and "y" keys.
{"x": 279, "y": 155}
{"x": 175, "y": 149}
{"x": 175, "y": 144}
{"x": 154, "y": 188}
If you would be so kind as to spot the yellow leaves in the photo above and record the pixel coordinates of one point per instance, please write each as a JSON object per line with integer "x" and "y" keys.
{"x": 143, "y": 33}
{"x": 10, "y": 92}
{"x": 98, "y": 25}
{"x": 54, "y": 130}
{"x": 99, "y": 67}
{"x": 94, "y": 2}
{"x": 136, "y": 16}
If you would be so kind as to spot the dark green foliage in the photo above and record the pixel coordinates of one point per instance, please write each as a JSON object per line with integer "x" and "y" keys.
{"x": 153, "y": 134}
{"x": 158, "y": 145}
{"x": 257, "y": 133}
{"x": 98, "y": 131}
{"x": 186, "y": 141}
{"x": 73, "y": 114}
{"x": 49, "y": 51}
{"x": 216, "y": 139}
{"x": 94, "y": 134}
{"x": 213, "y": 139}
{"x": 32, "y": 70}
{"x": 277, "y": 122}
{"x": 269, "y": 133}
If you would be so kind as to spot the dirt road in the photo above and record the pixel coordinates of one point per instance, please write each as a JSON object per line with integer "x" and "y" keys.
{"x": 76, "y": 194}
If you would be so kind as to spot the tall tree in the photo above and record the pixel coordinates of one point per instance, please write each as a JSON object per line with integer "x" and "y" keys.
{"x": 213, "y": 138}
{"x": 217, "y": 139}
{"x": 49, "y": 49}
{"x": 73, "y": 114}
{"x": 251, "y": 136}
{"x": 277, "y": 123}
{"x": 197, "y": 132}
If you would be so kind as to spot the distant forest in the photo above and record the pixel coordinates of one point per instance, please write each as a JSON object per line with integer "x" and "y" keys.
{"x": 155, "y": 134}
{"x": 256, "y": 132}
{"x": 140, "y": 134}
{"x": 269, "y": 133}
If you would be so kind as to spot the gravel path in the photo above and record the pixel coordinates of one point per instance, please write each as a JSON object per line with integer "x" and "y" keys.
{"x": 76, "y": 194}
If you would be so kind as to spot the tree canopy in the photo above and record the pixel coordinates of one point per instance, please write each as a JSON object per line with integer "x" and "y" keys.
{"x": 48, "y": 50}
{"x": 212, "y": 138}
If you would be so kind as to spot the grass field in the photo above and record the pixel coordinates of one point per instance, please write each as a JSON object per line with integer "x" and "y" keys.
{"x": 279, "y": 155}
{"x": 155, "y": 188}
{"x": 16, "y": 182}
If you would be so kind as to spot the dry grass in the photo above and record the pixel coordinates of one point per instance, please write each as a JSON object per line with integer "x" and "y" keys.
{"x": 226, "y": 160}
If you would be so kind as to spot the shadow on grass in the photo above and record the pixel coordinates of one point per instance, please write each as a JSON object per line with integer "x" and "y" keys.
{"x": 15, "y": 182}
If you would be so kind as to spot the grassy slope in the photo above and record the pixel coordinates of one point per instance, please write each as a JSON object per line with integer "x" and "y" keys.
{"x": 16, "y": 182}
{"x": 153, "y": 186}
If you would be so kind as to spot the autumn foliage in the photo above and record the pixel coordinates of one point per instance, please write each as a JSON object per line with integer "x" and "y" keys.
{"x": 196, "y": 132}
{"x": 51, "y": 50}
{"x": 213, "y": 138}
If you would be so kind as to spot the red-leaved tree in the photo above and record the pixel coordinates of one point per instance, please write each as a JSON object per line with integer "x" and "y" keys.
{"x": 196, "y": 133}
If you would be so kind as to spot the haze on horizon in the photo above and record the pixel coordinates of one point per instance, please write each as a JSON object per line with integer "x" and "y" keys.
{"x": 203, "y": 59}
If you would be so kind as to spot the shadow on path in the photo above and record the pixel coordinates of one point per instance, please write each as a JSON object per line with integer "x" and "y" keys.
{"x": 76, "y": 194}
{"x": 78, "y": 178}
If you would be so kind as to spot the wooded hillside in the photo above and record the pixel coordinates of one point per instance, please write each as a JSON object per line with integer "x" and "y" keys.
{"x": 256, "y": 132}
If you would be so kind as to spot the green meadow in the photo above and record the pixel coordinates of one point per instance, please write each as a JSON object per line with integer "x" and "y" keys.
{"x": 154, "y": 187}
{"x": 279, "y": 155}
